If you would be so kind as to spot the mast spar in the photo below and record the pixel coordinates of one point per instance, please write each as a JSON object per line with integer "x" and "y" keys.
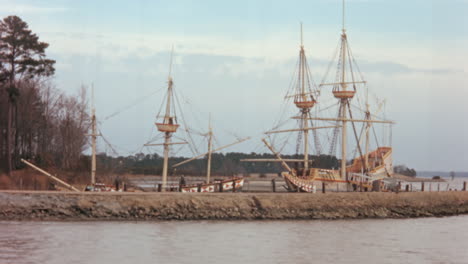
{"x": 344, "y": 76}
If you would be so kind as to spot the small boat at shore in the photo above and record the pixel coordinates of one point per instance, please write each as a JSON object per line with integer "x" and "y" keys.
{"x": 99, "y": 187}
{"x": 232, "y": 185}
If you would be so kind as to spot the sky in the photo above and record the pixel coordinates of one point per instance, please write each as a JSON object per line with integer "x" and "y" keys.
{"x": 234, "y": 60}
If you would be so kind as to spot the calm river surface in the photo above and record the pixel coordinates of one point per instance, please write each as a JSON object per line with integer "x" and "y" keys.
{"x": 424, "y": 240}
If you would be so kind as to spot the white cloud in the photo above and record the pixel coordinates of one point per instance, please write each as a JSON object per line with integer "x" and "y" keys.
{"x": 29, "y": 9}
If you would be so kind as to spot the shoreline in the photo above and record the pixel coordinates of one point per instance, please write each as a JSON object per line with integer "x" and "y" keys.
{"x": 86, "y": 206}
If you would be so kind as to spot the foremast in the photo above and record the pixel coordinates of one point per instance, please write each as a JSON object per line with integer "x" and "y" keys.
{"x": 305, "y": 99}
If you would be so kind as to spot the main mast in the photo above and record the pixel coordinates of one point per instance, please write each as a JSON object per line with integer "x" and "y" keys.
{"x": 168, "y": 126}
{"x": 344, "y": 96}
{"x": 342, "y": 92}
{"x": 305, "y": 112}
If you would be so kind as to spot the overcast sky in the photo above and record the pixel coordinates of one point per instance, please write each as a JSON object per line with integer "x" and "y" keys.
{"x": 234, "y": 59}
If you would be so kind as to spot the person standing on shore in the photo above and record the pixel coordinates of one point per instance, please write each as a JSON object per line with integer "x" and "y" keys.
{"x": 182, "y": 180}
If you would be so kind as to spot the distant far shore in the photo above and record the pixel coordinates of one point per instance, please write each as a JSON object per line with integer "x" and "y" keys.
{"x": 69, "y": 206}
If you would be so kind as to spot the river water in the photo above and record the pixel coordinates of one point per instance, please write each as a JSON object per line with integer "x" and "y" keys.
{"x": 423, "y": 240}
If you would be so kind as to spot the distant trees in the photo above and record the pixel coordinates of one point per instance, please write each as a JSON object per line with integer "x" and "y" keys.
{"x": 222, "y": 164}
{"x": 402, "y": 169}
{"x": 37, "y": 121}
{"x": 22, "y": 59}
{"x": 49, "y": 126}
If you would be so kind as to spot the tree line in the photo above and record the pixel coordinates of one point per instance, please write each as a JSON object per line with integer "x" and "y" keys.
{"x": 227, "y": 164}
{"x": 403, "y": 170}
{"x": 37, "y": 120}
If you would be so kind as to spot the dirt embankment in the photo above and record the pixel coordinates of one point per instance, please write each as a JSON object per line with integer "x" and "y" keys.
{"x": 227, "y": 206}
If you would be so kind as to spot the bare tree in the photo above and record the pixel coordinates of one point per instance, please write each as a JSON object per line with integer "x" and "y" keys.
{"x": 73, "y": 122}
{"x": 22, "y": 56}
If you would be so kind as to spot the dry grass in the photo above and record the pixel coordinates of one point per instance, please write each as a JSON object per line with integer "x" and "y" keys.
{"x": 29, "y": 179}
{"x": 25, "y": 179}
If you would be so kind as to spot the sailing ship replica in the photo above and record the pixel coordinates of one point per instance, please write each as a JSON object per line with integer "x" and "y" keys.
{"x": 168, "y": 125}
{"x": 369, "y": 166}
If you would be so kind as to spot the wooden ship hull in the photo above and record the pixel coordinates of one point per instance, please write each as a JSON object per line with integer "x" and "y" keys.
{"x": 380, "y": 167}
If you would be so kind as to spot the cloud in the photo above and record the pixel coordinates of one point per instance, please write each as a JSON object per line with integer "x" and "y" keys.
{"x": 389, "y": 67}
{"x": 202, "y": 51}
{"x": 30, "y": 9}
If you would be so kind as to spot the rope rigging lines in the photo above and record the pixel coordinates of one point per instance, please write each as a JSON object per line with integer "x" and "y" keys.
{"x": 131, "y": 105}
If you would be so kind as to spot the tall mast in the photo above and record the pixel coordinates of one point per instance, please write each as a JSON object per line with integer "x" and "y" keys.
{"x": 305, "y": 111}
{"x": 93, "y": 138}
{"x": 303, "y": 93}
{"x": 343, "y": 100}
{"x": 304, "y": 99}
{"x": 168, "y": 126}
{"x": 342, "y": 93}
{"x": 210, "y": 146}
{"x": 168, "y": 120}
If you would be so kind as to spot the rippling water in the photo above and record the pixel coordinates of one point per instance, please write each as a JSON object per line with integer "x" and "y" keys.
{"x": 424, "y": 240}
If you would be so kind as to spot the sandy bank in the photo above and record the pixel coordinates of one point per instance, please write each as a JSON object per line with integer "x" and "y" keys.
{"x": 228, "y": 206}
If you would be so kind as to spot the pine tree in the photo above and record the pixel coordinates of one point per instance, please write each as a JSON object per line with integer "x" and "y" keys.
{"x": 22, "y": 56}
